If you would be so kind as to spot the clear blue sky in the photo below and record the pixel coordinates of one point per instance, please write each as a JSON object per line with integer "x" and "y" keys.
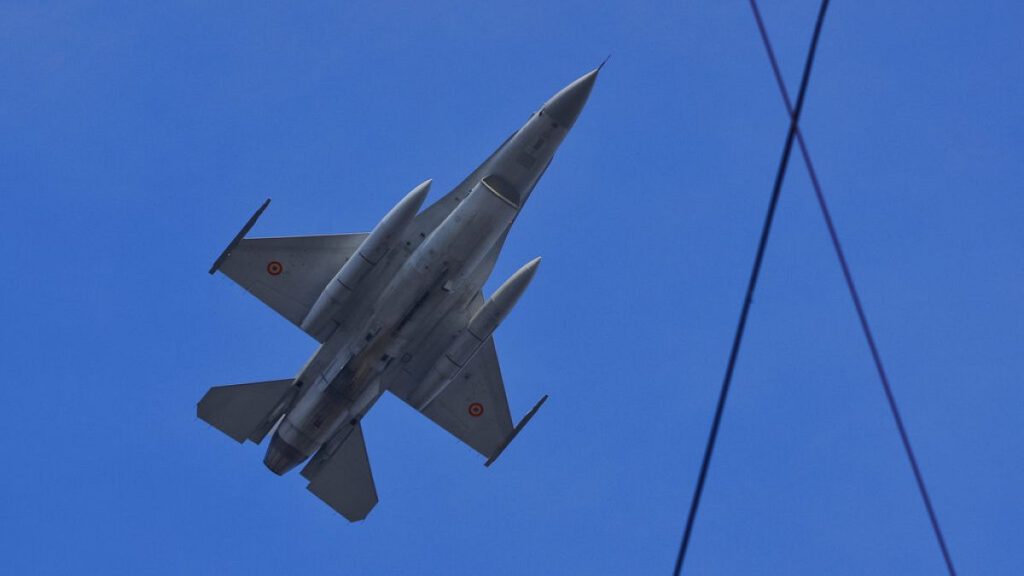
{"x": 136, "y": 137}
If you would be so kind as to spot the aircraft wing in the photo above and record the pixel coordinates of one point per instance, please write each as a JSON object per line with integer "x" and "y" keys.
{"x": 474, "y": 407}
{"x": 287, "y": 273}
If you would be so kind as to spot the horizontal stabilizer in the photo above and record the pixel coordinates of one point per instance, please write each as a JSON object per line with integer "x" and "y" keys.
{"x": 245, "y": 411}
{"x": 343, "y": 478}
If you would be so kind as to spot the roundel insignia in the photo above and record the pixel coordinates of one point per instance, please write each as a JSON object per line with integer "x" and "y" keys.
{"x": 476, "y": 409}
{"x": 274, "y": 268}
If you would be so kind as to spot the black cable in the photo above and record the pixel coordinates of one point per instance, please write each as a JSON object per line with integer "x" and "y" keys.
{"x": 855, "y": 296}
{"x": 754, "y": 273}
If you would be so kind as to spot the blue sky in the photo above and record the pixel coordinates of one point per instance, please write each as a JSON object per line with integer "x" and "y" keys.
{"x": 135, "y": 138}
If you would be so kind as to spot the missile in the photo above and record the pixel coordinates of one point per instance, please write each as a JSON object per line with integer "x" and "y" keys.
{"x": 469, "y": 341}
{"x": 318, "y": 322}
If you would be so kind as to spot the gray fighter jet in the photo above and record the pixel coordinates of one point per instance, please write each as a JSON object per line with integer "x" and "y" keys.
{"x": 398, "y": 309}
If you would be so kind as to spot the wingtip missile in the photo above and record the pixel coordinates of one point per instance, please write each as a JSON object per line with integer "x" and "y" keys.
{"x": 238, "y": 237}
{"x": 515, "y": 431}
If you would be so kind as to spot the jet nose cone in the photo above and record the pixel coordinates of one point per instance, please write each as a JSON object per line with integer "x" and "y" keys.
{"x": 565, "y": 106}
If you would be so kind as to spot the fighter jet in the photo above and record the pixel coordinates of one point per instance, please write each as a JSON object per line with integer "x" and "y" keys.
{"x": 398, "y": 309}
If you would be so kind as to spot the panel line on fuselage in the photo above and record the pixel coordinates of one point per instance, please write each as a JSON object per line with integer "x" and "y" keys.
{"x": 500, "y": 196}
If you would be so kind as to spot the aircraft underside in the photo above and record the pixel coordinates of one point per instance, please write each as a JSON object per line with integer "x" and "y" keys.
{"x": 398, "y": 309}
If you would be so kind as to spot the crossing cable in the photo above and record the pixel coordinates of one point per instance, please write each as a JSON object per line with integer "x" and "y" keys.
{"x": 827, "y": 215}
{"x": 752, "y": 284}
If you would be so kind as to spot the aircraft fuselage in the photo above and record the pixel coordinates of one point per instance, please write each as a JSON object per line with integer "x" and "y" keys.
{"x": 348, "y": 373}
